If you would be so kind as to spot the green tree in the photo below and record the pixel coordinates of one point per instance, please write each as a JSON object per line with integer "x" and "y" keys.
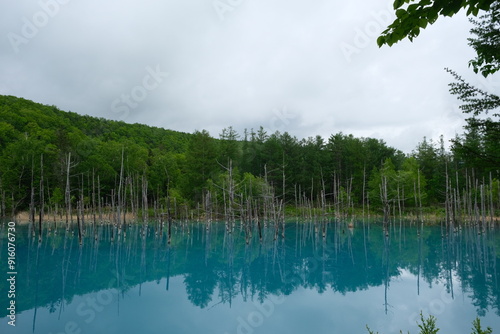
{"x": 412, "y": 183}
{"x": 312, "y": 169}
{"x": 201, "y": 164}
{"x": 478, "y": 147}
{"x": 229, "y": 147}
{"x": 164, "y": 173}
{"x": 476, "y": 327}
{"x": 433, "y": 167}
{"x": 382, "y": 179}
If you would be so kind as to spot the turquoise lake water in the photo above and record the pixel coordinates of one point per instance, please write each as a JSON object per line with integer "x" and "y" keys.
{"x": 319, "y": 278}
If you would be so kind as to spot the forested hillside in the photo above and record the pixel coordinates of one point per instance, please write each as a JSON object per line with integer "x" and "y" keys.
{"x": 61, "y": 163}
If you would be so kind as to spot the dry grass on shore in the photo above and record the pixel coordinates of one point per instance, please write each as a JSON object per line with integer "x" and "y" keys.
{"x": 24, "y": 218}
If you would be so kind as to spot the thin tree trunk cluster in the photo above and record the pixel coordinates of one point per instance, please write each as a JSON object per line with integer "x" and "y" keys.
{"x": 467, "y": 200}
{"x": 472, "y": 202}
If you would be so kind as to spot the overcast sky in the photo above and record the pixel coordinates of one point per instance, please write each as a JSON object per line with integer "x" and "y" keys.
{"x": 309, "y": 68}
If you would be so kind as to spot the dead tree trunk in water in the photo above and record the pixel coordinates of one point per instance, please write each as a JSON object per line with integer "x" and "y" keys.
{"x": 447, "y": 199}
{"x": 132, "y": 194}
{"x": 399, "y": 203}
{"x": 384, "y": 198}
{"x": 231, "y": 190}
{"x": 284, "y": 193}
{"x": 144, "y": 199}
{"x": 456, "y": 194}
{"x": 3, "y": 214}
{"x": 419, "y": 194}
{"x": 492, "y": 207}
{"x": 99, "y": 198}
{"x": 42, "y": 201}
{"x": 78, "y": 210}
{"x": 364, "y": 189}
{"x": 67, "y": 194}
{"x": 118, "y": 206}
{"x": 124, "y": 205}
{"x": 94, "y": 213}
{"x": 112, "y": 215}
{"x": 32, "y": 199}
{"x": 82, "y": 205}
{"x": 483, "y": 206}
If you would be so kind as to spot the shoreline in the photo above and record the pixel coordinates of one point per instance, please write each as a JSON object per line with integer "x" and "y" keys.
{"x": 22, "y": 218}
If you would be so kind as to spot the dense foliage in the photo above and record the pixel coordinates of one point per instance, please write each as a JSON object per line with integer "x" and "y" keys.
{"x": 414, "y": 15}
{"x": 55, "y": 159}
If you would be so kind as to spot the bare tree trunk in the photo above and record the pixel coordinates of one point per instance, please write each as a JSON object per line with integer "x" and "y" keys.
{"x": 419, "y": 194}
{"x": 119, "y": 203}
{"x": 335, "y": 195}
{"x": 231, "y": 191}
{"x": 457, "y": 198}
{"x": 492, "y": 208}
{"x": 284, "y": 189}
{"x": 447, "y": 198}
{"x": 78, "y": 210}
{"x": 144, "y": 199}
{"x": 468, "y": 195}
{"x": 476, "y": 206}
{"x": 113, "y": 207}
{"x": 3, "y": 214}
{"x": 67, "y": 194}
{"x": 93, "y": 200}
{"x": 368, "y": 203}
{"x": 32, "y": 199}
{"x": 385, "y": 202}
{"x": 124, "y": 206}
{"x": 99, "y": 203}
{"x": 364, "y": 189}
{"x": 132, "y": 192}
{"x": 483, "y": 206}
{"x": 403, "y": 204}
{"x": 399, "y": 203}
{"x": 42, "y": 201}
{"x": 82, "y": 205}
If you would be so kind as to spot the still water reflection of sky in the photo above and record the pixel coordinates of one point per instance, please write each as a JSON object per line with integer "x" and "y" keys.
{"x": 178, "y": 303}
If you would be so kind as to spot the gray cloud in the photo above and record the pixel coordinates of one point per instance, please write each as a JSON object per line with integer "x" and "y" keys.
{"x": 237, "y": 63}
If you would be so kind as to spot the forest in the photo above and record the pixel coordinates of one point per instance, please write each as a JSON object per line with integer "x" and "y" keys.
{"x": 65, "y": 167}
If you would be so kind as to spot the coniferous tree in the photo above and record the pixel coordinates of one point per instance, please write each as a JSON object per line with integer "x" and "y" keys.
{"x": 481, "y": 141}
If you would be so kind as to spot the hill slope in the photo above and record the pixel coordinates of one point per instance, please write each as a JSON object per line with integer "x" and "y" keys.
{"x": 51, "y": 159}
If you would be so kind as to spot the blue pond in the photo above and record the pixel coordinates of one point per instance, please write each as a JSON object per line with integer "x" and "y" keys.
{"x": 318, "y": 278}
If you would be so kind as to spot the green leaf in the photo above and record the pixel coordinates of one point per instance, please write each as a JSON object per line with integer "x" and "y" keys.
{"x": 415, "y": 31}
{"x": 432, "y": 15}
{"x": 401, "y": 13}
{"x": 422, "y": 23}
{"x": 398, "y": 3}
{"x": 412, "y": 8}
{"x": 484, "y": 5}
{"x": 380, "y": 41}
{"x": 447, "y": 12}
